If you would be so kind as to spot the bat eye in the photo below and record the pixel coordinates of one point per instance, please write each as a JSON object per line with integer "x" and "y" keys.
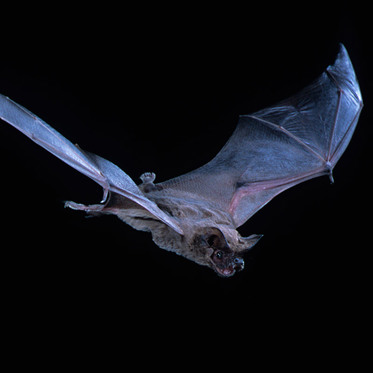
{"x": 219, "y": 254}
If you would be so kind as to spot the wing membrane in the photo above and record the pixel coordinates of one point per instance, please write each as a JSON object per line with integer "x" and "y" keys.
{"x": 105, "y": 173}
{"x": 276, "y": 148}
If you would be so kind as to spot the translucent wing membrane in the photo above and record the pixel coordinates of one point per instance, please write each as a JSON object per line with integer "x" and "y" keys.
{"x": 276, "y": 148}
{"x": 271, "y": 150}
{"x": 105, "y": 173}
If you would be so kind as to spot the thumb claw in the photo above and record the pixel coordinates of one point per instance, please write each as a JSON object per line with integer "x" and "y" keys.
{"x": 105, "y": 195}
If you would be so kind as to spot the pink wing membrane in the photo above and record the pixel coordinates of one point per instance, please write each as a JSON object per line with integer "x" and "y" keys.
{"x": 276, "y": 148}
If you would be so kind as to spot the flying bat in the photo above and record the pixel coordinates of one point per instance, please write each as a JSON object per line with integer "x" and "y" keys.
{"x": 197, "y": 214}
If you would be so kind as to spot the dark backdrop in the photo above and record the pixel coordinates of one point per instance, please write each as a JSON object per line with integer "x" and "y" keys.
{"x": 160, "y": 90}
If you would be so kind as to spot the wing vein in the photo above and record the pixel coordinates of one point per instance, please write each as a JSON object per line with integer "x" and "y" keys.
{"x": 334, "y": 124}
{"x": 288, "y": 133}
{"x": 347, "y": 132}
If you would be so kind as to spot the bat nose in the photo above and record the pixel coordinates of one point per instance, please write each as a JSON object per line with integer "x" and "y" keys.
{"x": 238, "y": 263}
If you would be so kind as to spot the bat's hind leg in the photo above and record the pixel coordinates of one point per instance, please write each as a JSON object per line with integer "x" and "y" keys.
{"x": 148, "y": 185}
{"x": 90, "y": 209}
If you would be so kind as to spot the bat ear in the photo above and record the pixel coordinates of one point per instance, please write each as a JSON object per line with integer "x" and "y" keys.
{"x": 249, "y": 242}
{"x": 214, "y": 238}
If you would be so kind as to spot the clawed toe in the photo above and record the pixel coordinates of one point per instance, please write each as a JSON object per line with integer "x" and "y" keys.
{"x": 81, "y": 207}
{"x": 147, "y": 177}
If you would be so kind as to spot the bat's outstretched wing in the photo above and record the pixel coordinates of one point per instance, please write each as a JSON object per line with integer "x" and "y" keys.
{"x": 105, "y": 173}
{"x": 276, "y": 148}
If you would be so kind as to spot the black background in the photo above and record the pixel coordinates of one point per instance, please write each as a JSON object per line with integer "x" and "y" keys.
{"x": 160, "y": 89}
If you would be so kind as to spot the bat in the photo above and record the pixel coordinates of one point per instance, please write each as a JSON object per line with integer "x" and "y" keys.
{"x": 197, "y": 214}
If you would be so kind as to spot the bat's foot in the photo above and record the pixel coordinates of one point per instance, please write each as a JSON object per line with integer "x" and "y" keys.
{"x": 148, "y": 177}
{"x": 329, "y": 168}
{"x": 148, "y": 185}
{"x": 86, "y": 208}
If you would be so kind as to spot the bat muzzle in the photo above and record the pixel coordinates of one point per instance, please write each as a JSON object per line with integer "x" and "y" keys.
{"x": 237, "y": 264}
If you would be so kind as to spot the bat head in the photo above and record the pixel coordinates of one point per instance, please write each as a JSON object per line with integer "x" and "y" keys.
{"x": 224, "y": 258}
{"x": 218, "y": 246}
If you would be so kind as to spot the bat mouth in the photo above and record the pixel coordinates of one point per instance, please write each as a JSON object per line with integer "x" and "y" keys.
{"x": 236, "y": 265}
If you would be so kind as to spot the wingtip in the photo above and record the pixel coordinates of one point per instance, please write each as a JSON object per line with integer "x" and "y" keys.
{"x": 343, "y": 73}
{"x": 342, "y": 50}
{"x": 342, "y": 61}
